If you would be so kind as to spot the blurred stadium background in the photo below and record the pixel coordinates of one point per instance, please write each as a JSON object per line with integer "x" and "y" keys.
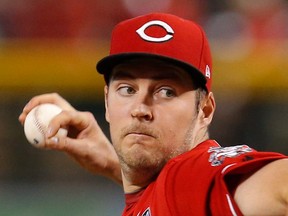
{"x": 53, "y": 46}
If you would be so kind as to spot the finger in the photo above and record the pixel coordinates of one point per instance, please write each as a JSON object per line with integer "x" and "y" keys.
{"x": 44, "y": 98}
{"x": 57, "y": 143}
{"x": 54, "y": 98}
{"x": 66, "y": 144}
{"x": 71, "y": 120}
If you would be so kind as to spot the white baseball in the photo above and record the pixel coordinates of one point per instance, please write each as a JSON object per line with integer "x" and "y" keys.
{"x": 37, "y": 121}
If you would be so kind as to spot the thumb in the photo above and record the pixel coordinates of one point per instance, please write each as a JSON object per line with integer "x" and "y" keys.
{"x": 61, "y": 143}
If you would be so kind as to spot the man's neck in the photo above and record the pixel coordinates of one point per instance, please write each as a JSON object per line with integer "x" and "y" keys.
{"x": 134, "y": 181}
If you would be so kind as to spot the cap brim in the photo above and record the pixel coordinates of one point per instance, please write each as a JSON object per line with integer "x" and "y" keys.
{"x": 106, "y": 65}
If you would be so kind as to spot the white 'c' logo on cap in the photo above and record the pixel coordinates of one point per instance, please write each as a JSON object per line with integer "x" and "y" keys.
{"x": 143, "y": 35}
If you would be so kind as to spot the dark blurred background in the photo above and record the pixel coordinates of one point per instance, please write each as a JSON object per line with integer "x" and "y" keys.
{"x": 53, "y": 46}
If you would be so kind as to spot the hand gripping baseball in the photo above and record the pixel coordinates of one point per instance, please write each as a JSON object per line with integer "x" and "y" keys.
{"x": 85, "y": 142}
{"x": 37, "y": 122}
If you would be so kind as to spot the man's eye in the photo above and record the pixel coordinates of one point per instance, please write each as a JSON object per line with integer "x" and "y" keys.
{"x": 126, "y": 90}
{"x": 166, "y": 92}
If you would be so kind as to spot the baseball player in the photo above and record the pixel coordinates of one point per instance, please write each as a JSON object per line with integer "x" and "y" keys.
{"x": 159, "y": 105}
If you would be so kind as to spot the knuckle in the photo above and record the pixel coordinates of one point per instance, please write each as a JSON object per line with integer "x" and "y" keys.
{"x": 55, "y": 94}
{"x": 88, "y": 114}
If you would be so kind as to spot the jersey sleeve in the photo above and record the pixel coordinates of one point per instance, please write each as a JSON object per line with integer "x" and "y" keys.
{"x": 232, "y": 173}
{"x": 204, "y": 183}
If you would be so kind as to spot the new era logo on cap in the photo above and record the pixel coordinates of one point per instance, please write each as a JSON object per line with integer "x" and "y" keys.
{"x": 163, "y": 36}
{"x": 207, "y": 72}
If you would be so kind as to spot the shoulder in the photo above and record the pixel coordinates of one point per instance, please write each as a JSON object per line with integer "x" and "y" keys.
{"x": 265, "y": 191}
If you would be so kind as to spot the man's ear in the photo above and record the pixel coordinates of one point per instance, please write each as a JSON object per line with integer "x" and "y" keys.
{"x": 106, "y": 89}
{"x": 207, "y": 108}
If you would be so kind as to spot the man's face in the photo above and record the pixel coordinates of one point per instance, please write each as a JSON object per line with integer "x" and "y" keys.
{"x": 152, "y": 111}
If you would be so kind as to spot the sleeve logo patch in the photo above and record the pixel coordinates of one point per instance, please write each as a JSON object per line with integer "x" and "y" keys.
{"x": 219, "y": 154}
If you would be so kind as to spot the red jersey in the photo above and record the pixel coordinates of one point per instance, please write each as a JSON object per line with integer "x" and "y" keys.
{"x": 198, "y": 182}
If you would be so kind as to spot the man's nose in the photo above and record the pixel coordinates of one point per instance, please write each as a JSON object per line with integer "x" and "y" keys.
{"x": 142, "y": 109}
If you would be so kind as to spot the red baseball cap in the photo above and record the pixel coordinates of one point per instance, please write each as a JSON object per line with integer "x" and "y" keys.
{"x": 161, "y": 36}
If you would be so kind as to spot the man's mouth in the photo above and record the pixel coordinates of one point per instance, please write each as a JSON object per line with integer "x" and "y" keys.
{"x": 139, "y": 134}
{"x": 139, "y": 130}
